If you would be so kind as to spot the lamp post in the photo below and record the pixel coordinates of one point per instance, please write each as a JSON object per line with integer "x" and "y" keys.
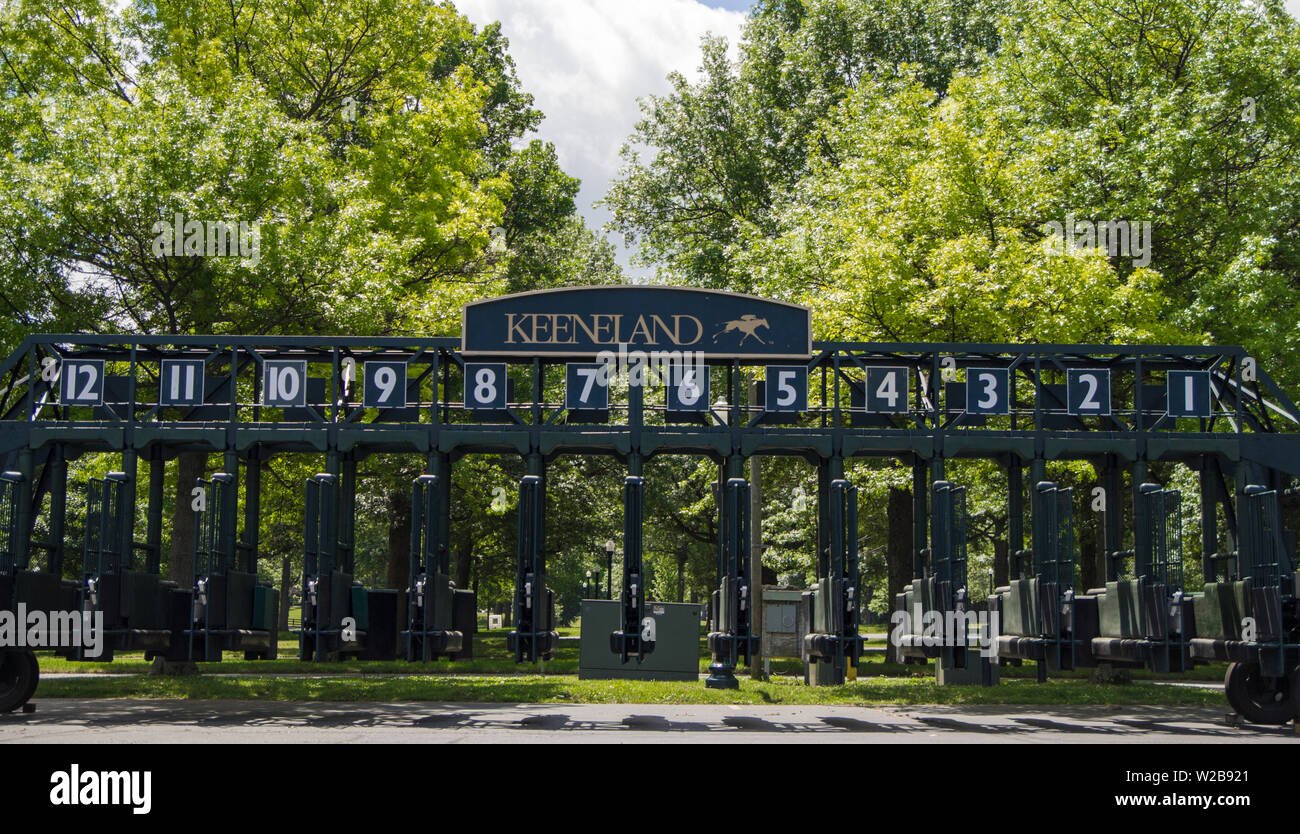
{"x": 609, "y": 569}
{"x": 586, "y": 587}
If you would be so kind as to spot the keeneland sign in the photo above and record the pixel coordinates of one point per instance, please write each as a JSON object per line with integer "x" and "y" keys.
{"x": 581, "y": 322}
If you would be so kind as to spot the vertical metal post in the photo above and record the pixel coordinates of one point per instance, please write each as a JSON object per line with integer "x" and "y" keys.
{"x": 58, "y": 509}
{"x": 442, "y": 506}
{"x": 823, "y": 519}
{"x": 533, "y": 638}
{"x": 23, "y": 509}
{"x": 252, "y": 510}
{"x": 153, "y": 524}
{"x": 628, "y": 639}
{"x": 1015, "y": 516}
{"x": 1209, "y": 519}
{"x": 733, "y": 638}
{"x": 1141, "y": 522}
{"x": 756, "y": 537}
{"x": 126, "y": 533}
{"x": 920, "y": 516}
{"x": 1112, "y": 482}
{"x": 230, "y": 517}
{"x": 347, "y": 519}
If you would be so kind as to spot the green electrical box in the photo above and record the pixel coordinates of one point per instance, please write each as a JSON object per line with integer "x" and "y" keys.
{"x": 677, "y": 652}
{"x": 263, "y": 606}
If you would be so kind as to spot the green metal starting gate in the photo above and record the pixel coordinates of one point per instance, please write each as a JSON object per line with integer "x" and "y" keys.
{"x": 525, "y": 379}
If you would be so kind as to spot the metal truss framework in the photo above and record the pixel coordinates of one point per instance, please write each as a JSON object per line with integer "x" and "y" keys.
{"x": 1240, "y": 436}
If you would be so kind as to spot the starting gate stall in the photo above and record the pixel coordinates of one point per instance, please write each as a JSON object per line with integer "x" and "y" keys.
{"x": 1040, "y": 617}
{"x": 833, "y": 645}
{"x": 137, "y": 605}
{"x": 335, "y": 612}
{"x": 430, "y": 597}
{"x": 248, "y": 398}
{"x": 935, "y": 604}
{"x": 230, "y": 609}
{"x": 637, "y": 635}
{"x": 19, "y": 670}
{"x": 1263, "y": 679}
{"x": 534, "y": 637}
{"x": 1147, "y": 620}
{"x": 733, "y": 640}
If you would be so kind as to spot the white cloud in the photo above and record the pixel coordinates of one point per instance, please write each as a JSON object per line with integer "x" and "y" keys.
{"x": 586, "y": 62}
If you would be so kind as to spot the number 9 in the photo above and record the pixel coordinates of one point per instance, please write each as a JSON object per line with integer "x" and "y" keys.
{"x": 386, "y": 381}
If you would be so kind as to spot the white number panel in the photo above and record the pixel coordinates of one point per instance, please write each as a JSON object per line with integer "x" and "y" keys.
{"x": 485, "y": 386}
{"x": 1088, "y": 392}
{"x": 787, "y": 388}
{"x": 988, "y": 391}
{"x": 384, "y": 385}
{"x": 887, "y": 390}
{"x": 182, "y": 383}
{"x": 83, "y": 382}
{"x": 688, "y": 388}
{"x": 284, "y": 382}
{"x": 586, "y": 387}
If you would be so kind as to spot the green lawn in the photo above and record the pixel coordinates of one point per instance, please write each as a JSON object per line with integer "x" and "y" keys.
{"x": 568, "y": 689}
{"x": 494, "y": 676}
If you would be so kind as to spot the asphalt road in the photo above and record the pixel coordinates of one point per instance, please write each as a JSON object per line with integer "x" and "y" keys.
{"x": 118, "y": 721}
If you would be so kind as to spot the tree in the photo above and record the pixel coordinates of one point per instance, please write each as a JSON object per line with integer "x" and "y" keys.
{"x": 367, "y": 150}
{"x": 723, "y": 152}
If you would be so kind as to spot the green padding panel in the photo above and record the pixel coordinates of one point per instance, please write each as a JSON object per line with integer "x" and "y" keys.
{"x": 39, "y": 590}
{"x": 141, "y": 600}
{"x": 1241, "y": 593}
{"x": 262, "y": 596}
{"x": 1020, "y": 609}
{"x": 340, "y": 599}
{"x": 1220, "y": 609}
{"x": 1121, "y": 610}
{"x": 239, "y": 599}
{"x": 361, "y": 608}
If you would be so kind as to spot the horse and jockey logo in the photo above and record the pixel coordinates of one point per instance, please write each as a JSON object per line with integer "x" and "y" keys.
{"x": 747, "y": 324}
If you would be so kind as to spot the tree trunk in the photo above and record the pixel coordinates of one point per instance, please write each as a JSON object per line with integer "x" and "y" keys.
{"x": 681, "y": 556}
{"x": 191, "y": 466}
{"x": 460, "y": 570}
{"x": 399, "y": 541}
{"x": 1090, "y": 572}
{"x": 898, "y": 552}
{"x": 285, "y": 579}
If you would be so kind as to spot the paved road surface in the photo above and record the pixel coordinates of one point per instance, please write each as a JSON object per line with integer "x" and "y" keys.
{"x": 119, "y": 721}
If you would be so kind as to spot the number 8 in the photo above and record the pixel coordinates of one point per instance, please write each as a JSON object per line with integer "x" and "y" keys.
{"x": 486, "y": 390}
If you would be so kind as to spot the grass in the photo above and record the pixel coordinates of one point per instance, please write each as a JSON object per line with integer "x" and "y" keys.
{"x": 493, "y": 676}
{"x": 568, "y": 689}
{"x": 491, "y": 658}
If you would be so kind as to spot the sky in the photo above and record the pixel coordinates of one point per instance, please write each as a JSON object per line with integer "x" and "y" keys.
{"x": 586, "y": 62}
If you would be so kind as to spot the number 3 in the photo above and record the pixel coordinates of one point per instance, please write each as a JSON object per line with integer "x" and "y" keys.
{"x": 990, "y": 398}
